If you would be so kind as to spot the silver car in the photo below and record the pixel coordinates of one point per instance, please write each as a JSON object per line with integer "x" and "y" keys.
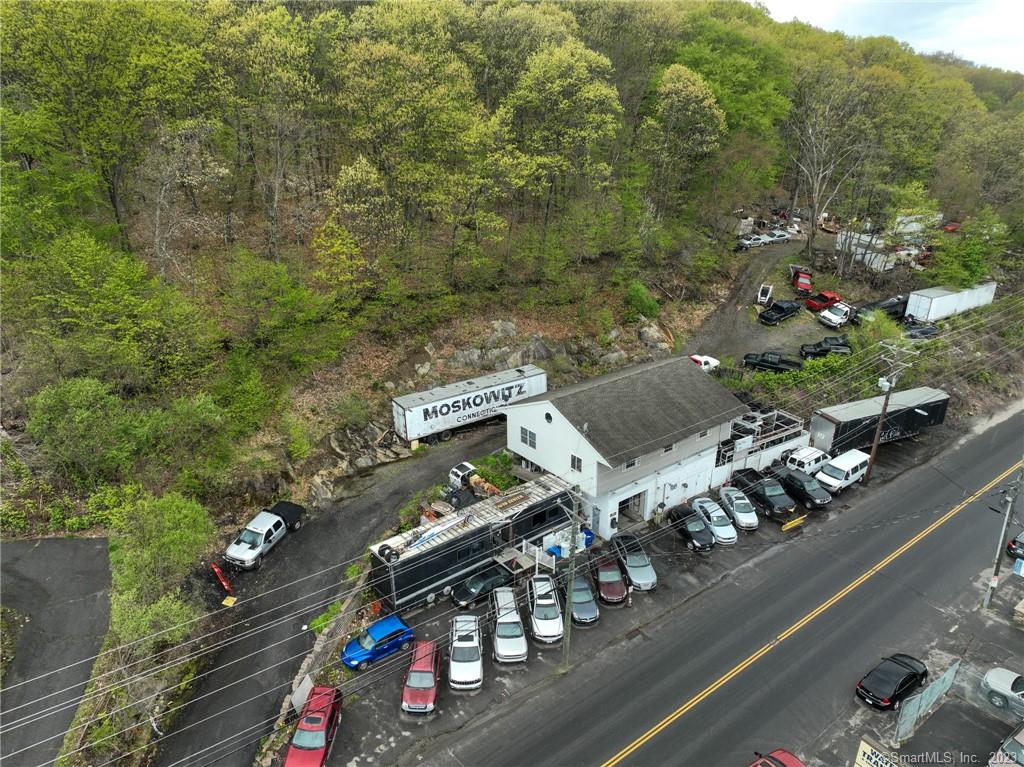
{"x": 509, "y": 638}
{"x": 739, "y": 508}
{"x": 716, "y": 519}
{"x": 584, "y": 606}
{"x": 634, "y": 560}
{"x": 1005, "y": 689}
{"x": 545, "y": 612}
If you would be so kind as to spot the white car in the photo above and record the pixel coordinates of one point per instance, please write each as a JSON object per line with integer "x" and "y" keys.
{"x": 778, "y": 235}
{"x": 1005, "y": 689}
{"x": 764, "y": 239}
{"x": 465, "y": 654}
{"x": 707, "y": 364}
{"x": 836, "y": 316}
{"x": 739, "y": 508}
{"x": 748, "y": 241}
{"x": 717, "y": 520}
{"x": 545, "y": 610}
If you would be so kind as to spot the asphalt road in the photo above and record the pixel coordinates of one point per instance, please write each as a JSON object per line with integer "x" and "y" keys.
{"x": 800, "y": 687}
{"x": 61, "y": 586}
{"x": 217, "y": 722}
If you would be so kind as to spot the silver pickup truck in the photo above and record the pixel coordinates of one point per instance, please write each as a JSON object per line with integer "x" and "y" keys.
{"x": 262, "y": 534}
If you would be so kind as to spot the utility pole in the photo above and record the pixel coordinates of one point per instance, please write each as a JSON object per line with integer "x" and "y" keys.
{"x": 887, "y": 384}
{"x": 567, "y": 628}
{"x": 1009, "y": 498}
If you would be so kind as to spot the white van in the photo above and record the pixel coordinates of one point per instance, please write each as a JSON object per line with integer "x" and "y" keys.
{"x": 843, "y": 470}
{"x": 509, "y": 637}
{"x": 807, "y": 459}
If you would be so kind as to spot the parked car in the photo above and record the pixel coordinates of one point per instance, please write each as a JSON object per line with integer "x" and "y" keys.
{"x": 766, "y": 492}
{"x": 739, "y": 508}
{"x": 804, "y": 488}
{"x": 691, "y": 528}
{"x": 807, "y": 459}
{"x": 1015, "y": 548}
{"x": 773, "y": 362}
{"x": 800, "y": 279}
{"x": 894, "y": 308}
{"x": 764, "y": 239}
{"x": 707, "y": 364}
{"x": 836, "y": 315}
{"x": 634, "y": 561}
{"x": 779, "y": 312}
{"x": 313, "y": 738}
{"x": 545, "y": 611}
{"x": 379, "y": 640}
{"x": 507, "y": 632}
{"x": 465, "y": 654}
{"x": 843, "y": 470}
{"x": 889, "y": 683}
{"x": 1004, "y": 689}
{"x": 262, "y": 533}
{"x": 920, "y": 332}
{"x": 1011, "y": 750}
{"x": 585, "y": 611}
{"x": 826, "y": 346}
{"x": 780, "y": 757}
{"x": 479, "y": 585}
{"x": 419, "y": 696}
{"x": 717, "y": 520}
{"x": 778, "y": 235}
{"x": 748, "y": 241}
{"x": 611, "y": 586}
{"x": 823, "y": 300}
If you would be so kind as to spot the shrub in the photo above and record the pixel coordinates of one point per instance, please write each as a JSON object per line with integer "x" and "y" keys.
{"x": 496, "y": 469}
{"x": 351, "y": 412}
{"x": 13, "y": 519}
{"x": 323, "y": 620}
{"x": 298, "y": 446}
{"x": 640, "y": 301}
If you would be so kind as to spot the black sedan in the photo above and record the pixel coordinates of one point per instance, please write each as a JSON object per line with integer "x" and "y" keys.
{"x": 691, "y": 528}
{"x": 827, "y": 345}
{"x": 1015, "y": 548}
{"x": 804, "y": 488}
{"x": 478, "y": 586}
{"x": 889, "y": 683}
{"x": 921, "y": 332}
{"x": 779, "y": 311}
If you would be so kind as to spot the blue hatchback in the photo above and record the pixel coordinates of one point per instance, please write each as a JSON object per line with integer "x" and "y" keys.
{"x": 379, "y": 640}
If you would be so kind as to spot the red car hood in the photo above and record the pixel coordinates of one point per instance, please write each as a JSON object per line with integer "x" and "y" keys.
{"x": 305, "y": 757}
{"x": 612, "y": 590}
{"x": 413, "y": 696}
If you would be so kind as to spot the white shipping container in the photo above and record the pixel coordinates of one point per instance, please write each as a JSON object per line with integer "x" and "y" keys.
{"x": 449, "y": 407}
{"x": 937, "y": 303}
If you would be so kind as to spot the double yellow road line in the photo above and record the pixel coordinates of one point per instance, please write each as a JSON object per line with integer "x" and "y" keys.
{"x": 751, "y": 659}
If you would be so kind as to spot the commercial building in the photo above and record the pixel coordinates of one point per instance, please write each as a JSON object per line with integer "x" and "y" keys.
{"x": 644, "y": 438}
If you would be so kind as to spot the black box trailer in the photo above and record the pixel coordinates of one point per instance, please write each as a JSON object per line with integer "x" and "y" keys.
{"x": 421, "y": 565}
{"x": 852, "y": 425}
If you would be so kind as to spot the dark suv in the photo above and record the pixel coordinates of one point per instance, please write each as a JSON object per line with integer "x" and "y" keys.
{"x": 804, "y": 488}
{"x": 766, "y": 492}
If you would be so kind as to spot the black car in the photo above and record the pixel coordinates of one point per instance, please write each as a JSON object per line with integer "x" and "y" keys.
{"x": 479, "y": 585}
{"x": 1015, "y": 548}
{"x": 774, "y": 362}
{"x": 766, "y": 492}
{"x": 691, "y": 528}
{"x": 779, "y": 311}
{"x": 827, "y": 345}
{"x": 804, "y": 488}
{"x": 921, "y": 332}
{"x": 889, "y": 683}
{"x": 894, "y": 308}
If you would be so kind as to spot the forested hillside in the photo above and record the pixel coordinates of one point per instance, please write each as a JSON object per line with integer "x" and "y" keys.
{"x": 205, "y": 203}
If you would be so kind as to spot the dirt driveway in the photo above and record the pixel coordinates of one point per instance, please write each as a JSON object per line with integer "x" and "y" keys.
{"x": 733, "y": 330}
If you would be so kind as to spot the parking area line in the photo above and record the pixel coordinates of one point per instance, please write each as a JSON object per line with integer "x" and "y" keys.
{"x": 831, "y": 601}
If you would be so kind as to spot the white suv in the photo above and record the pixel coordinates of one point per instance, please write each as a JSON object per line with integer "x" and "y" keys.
{"x": 545, "y": 610}
{"x": 465, "y": 654}
{"x": 508, "y": 636}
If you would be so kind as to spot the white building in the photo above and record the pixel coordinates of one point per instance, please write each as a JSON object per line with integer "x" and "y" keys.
{"x": 645, "y": 438}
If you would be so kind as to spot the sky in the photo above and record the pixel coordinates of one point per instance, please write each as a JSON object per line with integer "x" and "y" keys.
{"x": 987, "y": 32}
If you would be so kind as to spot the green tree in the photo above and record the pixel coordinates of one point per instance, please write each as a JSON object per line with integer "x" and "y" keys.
{"x": 342, "y": 267}
{"x": 967, "y": 257}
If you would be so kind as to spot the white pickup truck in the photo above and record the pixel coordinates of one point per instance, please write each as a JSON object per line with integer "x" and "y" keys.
{"x": 262, "y": 534}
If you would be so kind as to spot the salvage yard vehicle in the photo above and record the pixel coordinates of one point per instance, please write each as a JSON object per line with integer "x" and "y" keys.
{"x": 800, "y": 279}
{"x": 1004, "y": 689}
{"x": 717, "y": 520}
{"x": 767, "y": 493}
{"x": 779, "y": 312}
{"x": 823, "y": 300}
{"x": 507, "y": 632}
{"x": 894, "y": 308}
{"x": 804, "y": 488}
{"x": 889, "y": 683}
{"x": 691, "y": 528}
{"x": 772, "y": 361}
{"x": 419, "y": 696}
{"x": 826, "y": 346}
{"x": 778, "y": 235}
{"x": 843, "y": 471}
{"x": 379, "y": 640}
{"x": 545, "y": 611}
{"x": 585, "y": 611}
{"x": 465, "y": 654}
{"x": 748, "y": 241}
{"x": 920, "y": 332}
{"x": 739, "y": 507}
{"x": 634, "y": 561}
{"x": 611, "y": 587}
{"x": 707, "y": 364}
{"x": 836, "y": 315}
{"x": 313, "y": 738}
{"x": 262, "y": 533}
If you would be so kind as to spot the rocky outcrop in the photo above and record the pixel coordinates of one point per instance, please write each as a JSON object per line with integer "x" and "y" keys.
{"x": 500, "y": 330}
{"x": 346, "y": 453}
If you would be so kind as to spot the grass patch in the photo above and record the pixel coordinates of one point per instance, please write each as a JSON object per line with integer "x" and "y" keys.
{"x": 320, "y": 623}
{"x": 496, "y": 469}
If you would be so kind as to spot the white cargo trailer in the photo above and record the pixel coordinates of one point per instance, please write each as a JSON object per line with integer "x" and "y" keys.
{"x": 440, "y": 410}
{"x": 936, "y": 303}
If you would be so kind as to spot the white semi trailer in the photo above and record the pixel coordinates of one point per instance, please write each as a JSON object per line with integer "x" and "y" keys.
{"x": 435, "y": 413}
{"x": 937, "y": 303}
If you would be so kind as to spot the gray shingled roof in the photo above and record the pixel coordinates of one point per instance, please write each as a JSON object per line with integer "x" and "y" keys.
{"x": 634, "y": 410}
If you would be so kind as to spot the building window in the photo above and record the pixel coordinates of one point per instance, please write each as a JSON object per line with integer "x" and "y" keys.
{"x": 670, "y": 448}
{"x": 632, "y": 463}
{"x": 575, "y": 462}
{"x": 527, "y": 437}
{"x": 703, "y": 434}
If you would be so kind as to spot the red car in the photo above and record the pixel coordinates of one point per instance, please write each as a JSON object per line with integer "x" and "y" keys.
{"x": 802, "y": 281}
{"x": 823, "y": 300}
{"x": 314, "y": 735}
{"x": 611, "y": 588}
{"x": 419, "y": 695}
{"x": 780, "y": 757}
